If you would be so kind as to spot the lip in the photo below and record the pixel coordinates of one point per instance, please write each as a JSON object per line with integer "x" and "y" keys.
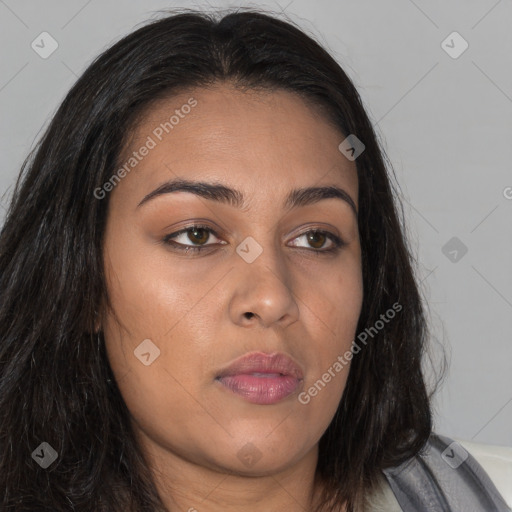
{"x": 262, "y": 378}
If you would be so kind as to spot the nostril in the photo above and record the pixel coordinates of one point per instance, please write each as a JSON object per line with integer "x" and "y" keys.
{"x": 249, "y": 314}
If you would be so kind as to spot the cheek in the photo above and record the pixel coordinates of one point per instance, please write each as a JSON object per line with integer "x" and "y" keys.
{"x": 335, "y": 299}
{"x": 155, "y": 352}
{"x": 149, "y": 292}
{"x": 151, "y": 302}
{"x": 331, "y": 314}
{"x": 344, "y": 293}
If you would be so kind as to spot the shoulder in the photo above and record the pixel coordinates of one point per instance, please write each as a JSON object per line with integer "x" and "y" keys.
{"x": 448, "y": 475}
{"x": 497, "y": 463}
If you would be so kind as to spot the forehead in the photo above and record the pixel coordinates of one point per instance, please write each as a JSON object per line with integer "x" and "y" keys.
{"x": 256, "y": 140}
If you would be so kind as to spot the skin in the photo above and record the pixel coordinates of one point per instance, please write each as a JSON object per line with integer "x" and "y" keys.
{"x": 192, "y": 305}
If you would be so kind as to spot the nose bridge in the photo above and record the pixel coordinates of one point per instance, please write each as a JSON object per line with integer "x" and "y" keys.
{"x": 264, "y": 284}
{"x": 262, "y": 255}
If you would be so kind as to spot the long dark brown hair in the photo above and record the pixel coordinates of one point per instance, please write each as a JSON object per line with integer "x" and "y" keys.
{"x": 56, "y": 384}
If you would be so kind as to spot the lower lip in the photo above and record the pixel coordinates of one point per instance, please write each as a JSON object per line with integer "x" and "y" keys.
{"x": 261, "y": 389}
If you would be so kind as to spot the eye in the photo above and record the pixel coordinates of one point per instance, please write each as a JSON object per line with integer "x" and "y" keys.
{"x": 317, "y": 239}
{"x": 197, "y": 234}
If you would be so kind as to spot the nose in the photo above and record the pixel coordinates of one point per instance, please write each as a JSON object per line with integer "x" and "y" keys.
{"x": 263, "y": 292}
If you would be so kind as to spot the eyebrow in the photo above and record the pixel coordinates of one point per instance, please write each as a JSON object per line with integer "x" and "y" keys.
{"x": 222, "y": 194}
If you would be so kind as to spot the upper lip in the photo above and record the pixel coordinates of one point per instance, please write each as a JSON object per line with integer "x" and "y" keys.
{"x": 259, "y": 362}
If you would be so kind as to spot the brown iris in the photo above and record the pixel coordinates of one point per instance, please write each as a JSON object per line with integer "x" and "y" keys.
{"x": 314, "y": 236}
{"x": 199, "y": 239}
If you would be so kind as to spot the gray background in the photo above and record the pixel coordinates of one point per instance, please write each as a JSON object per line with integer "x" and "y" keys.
{"x": 444, "y": 123}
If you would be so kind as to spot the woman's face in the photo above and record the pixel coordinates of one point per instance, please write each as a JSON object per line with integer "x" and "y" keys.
{"x": 263, "y": 281}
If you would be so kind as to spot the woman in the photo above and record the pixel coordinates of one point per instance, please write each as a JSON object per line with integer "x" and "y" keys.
{"x": 207, "y": 299}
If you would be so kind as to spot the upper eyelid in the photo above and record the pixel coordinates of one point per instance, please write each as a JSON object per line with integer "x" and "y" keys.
{"x": 192, "y": 226}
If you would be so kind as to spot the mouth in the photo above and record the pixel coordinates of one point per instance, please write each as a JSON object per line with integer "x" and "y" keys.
{"x": 261, "y": 378}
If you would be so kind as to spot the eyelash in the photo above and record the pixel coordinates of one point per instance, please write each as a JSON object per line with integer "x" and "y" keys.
{"x": 336, "y": 240}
